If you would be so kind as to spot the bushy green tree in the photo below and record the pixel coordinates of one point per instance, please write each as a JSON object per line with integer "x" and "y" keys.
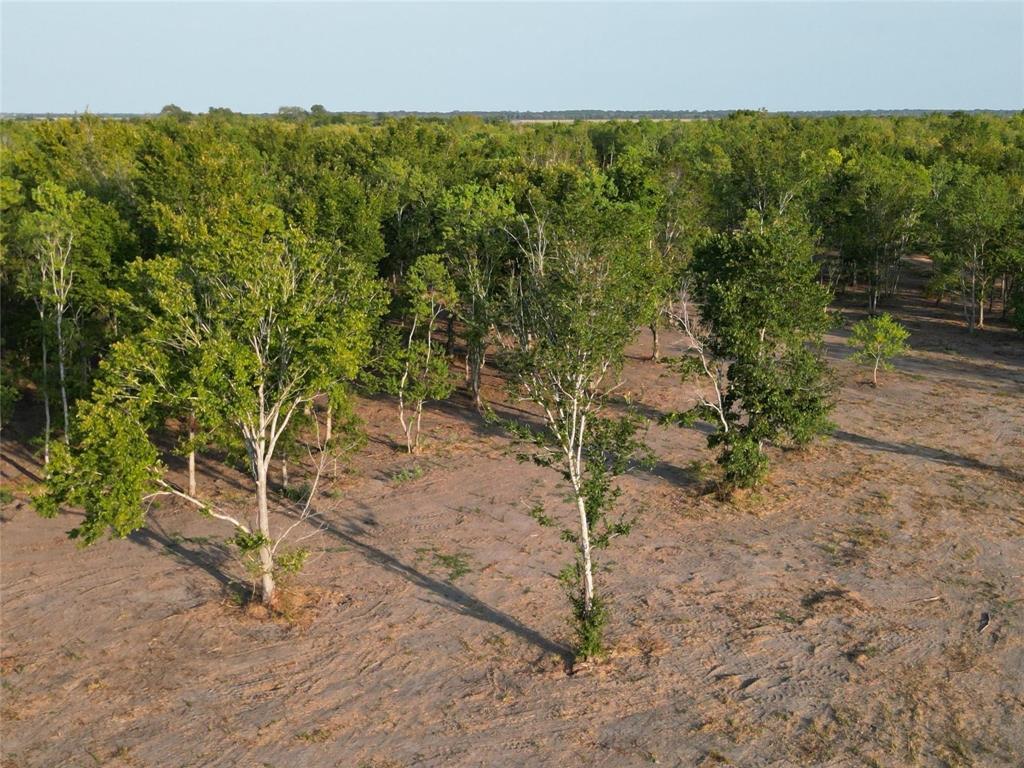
{"x": 876, "y": 340}
{"x": 977, "y": 217}
{"x": 764, "y": 314}
{"x": 879, "y": 217}
{"x": 258, "y": 319}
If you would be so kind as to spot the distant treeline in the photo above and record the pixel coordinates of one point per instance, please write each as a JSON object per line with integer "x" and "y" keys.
{"x": 319, "y": 114}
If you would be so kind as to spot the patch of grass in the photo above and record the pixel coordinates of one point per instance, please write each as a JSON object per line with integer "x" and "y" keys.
{"x": 715, "y": 758}
{"x": 700, "y": 470}
{"x": 537, "y": 513}
{"x": 297, "y": 493}
{"x": 6, "y": 497}
{"x": 821, "y": 596}
{"x": 861, "y": 651}
{"x": 852, "y": 544}
{"x": 315, "y": 736}
{"x": 408, "y": 474}
{"x": 457, "y": 564}
{"x": 783, "y": 616}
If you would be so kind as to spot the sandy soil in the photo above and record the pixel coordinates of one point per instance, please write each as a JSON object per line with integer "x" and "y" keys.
{"x": 865, "y": 607}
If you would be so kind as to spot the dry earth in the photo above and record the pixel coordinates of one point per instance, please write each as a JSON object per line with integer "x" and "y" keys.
{"x": 865, "y": 607}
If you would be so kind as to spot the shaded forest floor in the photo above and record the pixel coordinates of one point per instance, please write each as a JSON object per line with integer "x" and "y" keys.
{"x": 864, "y": 607}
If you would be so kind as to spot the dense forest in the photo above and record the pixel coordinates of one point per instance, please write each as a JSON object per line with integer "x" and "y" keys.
{"x": 224, "y": 284}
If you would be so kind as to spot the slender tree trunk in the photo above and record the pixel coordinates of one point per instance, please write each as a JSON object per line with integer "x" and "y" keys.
{"x": 588, "y": 570}
{"x": 475, "y": 361}
{"x": 655, "y": 342}
{"x": 874, "y": 374}
{"x": 47, "y": 428}
{"x": 60, "y": 368}
{"x": 268, "y": 587}
{"x": 328, "y": 427}
{"x": 406, "y": 425}
{"x": 415, "y": 448}
{"x": 974, "y": 302}
{"x": 284, "y": 472}
{"x": 191, "y": 457}
{"x": 449, "y": 343}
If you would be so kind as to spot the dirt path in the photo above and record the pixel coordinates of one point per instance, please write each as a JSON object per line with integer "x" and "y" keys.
{"x": 866, "y": 607}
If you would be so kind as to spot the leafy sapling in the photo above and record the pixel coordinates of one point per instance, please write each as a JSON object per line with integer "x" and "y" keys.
{"x": 412, "y": 364}
{"x": 473, "y": 227}
{"x": 876, "y": 340}
{"x": 572, "y": 307}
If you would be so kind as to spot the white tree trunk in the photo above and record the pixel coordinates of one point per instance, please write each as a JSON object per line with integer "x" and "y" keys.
{"x": 191, "y": 456}
{"x": 475, "y": 364}
{"x": 415, "y": 447}
{"x": 47, "y": 428}
{"x": 588, "y": 569}
{"x": 267, "y": 584}
{"x": 60, "y": 368}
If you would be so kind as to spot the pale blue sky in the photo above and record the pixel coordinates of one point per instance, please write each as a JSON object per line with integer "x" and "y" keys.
{"x": 256, "y": 57}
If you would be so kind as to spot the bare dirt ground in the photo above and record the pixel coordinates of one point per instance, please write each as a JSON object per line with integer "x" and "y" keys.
{"x": 865, "y": 607}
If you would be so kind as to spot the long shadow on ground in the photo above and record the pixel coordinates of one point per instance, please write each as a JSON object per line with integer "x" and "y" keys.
{"x": 931, "y": 454}
{"x": 455, "y": 598}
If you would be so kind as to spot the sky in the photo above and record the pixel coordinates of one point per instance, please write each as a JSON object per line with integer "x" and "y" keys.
{"x": 427, "y": 56}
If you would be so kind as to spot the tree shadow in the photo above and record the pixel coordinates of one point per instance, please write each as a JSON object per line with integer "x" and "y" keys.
{"x": 678, "y": 476}
{"x": 209, "y": 557}
{"x": 931, "y": 454}
{"x": 450, "y": 596}
{"x": 8, "y": 457}
{"x": 460, "y": 406}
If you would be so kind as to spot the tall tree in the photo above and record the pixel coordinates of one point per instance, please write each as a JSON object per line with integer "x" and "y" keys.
{"x": 880, "y": 217}
{"x": 474, "y": 224}
{"x": 573, "y": 304}
{"x": 258, "y": 318}
{"x": 763, "y": 313}
{"x": 411, "y": 364}
{"x": 976, "y": 217}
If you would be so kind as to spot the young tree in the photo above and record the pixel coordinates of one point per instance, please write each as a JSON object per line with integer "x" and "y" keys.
{"x": 259, "y": 319}
{"x": 680, "y": 219}
{"x": 51, "y": 230}
{"x": 67, "y": 245}
{"x": 880, "y": 216}
{"x": 573, "y": 305}
{"x": 763, "y": 313}
{"x": 413, "y": 365}
{"x": 876, "y": 340}
{"x": 474, "y": 222}
{"x": 975, "y": 217}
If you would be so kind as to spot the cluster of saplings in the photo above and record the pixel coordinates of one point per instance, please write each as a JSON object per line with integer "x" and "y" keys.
{"x": 224, "y": 284}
